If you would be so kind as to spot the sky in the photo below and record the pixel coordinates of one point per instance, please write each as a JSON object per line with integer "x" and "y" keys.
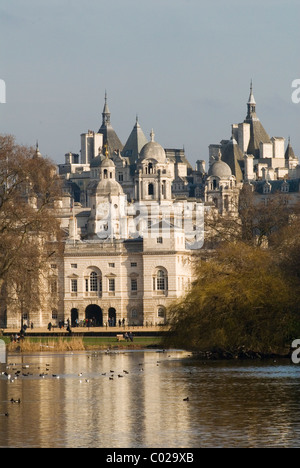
{"x": 184, "y": 66}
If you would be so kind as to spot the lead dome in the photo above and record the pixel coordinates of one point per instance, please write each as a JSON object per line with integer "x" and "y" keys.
{"x": 220, "y": 169}
{"x": 154, "y": 151}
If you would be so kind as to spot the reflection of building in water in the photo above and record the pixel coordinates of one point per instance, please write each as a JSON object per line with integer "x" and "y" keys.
{"x": 145, "y": 408}
{"x": 138, "y": 410}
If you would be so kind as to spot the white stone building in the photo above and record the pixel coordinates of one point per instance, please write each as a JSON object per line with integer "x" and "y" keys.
{"x": 133, "y": 218}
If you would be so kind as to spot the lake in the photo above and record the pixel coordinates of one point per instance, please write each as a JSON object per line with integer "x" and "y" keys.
{"x": 230, "y": 404}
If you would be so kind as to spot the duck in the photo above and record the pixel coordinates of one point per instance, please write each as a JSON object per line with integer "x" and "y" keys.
{"x": 15, "y": 401}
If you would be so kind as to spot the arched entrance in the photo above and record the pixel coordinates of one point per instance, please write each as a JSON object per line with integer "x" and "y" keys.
{"x": 74, "y": 317}
{"x": 95, "y": 315}
{"x": 112, "y": 317}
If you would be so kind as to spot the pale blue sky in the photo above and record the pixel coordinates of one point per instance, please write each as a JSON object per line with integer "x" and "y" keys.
{"x": 184, "y": 66}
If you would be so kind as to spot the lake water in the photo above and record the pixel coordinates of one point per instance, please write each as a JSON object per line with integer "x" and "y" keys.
{"x": 231, "y": 404}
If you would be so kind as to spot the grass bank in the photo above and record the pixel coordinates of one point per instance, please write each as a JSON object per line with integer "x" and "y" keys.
{"x": 59, "y": 344}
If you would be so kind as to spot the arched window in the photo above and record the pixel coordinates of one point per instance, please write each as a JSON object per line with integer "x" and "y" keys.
{"x": 54, "y": 314}
{"x": 160, "y": 281}
{"x": 93, "y": 282}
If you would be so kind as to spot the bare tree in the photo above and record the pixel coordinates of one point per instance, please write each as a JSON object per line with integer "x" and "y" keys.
{"x": 254, "y": 220}
{"x": 29, "y": 189}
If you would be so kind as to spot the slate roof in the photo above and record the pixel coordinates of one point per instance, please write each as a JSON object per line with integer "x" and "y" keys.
{"x": 294, "y": 185}
{"x": 233, "y": 156}
{"x": 289, "y": 154}
{"x": 134, "y": 144}
{"x": 257, "y": 135}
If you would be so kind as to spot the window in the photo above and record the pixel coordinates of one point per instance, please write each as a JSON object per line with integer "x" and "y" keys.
{"x": 134, "y": 285}
{"x": 267, "y": 188}
{"x": 54, "y": 314}
{"x": 74, "y": 285}
{"x": 134, "y": 313}
{"x": 111, "y": 285}
{"x": 160, "y": 240}
{"x": 151, "y": 189}
{"x": 161, "y": 312}
{"x": 121, "y": 178}
{"x": 161, "y": 281}
{"x": 53, "y": 286}
{"x": 93, "y": 282}
{"x": 74, "y": 265}
{"x": 133, "y": 265}
{"x": 111, "y": 265}
{"x": 53, "y": 266}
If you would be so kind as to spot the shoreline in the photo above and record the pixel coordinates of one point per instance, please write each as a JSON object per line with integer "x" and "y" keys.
{"x": 64, "y": 344}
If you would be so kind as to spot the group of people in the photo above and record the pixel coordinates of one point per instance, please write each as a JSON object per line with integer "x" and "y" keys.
{"x": 61, "y": 325}
{"x": 128, "y": 336}
{"x": 16, "y": 338}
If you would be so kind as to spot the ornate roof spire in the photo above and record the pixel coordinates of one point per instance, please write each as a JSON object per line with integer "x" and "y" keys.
{"x": 106, "y": 112}
{"x": 251, "y": 105}
{"x": 106, "y": 151}
{"x": 109, "y": 135}
{"x": 37, "y": 151}
{"x": 152, "y": 135}
{"x": 251, "y": 97}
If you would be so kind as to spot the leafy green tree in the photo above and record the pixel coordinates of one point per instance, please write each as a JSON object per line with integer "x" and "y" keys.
{"x": 240, "y": 301}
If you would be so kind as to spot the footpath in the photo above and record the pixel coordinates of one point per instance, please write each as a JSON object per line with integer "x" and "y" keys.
{"x": 90, "y": 331}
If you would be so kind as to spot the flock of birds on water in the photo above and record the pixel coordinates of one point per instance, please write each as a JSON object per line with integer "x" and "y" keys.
{"x": 12, "y": 373}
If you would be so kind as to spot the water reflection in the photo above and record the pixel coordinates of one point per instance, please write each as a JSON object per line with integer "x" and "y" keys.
{"x": 229, "y": 404}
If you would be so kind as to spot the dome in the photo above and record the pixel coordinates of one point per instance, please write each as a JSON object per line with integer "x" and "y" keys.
{"x": 220, "y": 169}
{"x": 108, "y": 187}
{"x": 153, "y": 150}
{"x": 108, "y": 163}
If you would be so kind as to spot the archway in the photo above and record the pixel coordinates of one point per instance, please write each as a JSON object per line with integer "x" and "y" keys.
{"x": 94, "y": 314}
{"x": 112, "y": 317}
{"x": 74, "y": 317}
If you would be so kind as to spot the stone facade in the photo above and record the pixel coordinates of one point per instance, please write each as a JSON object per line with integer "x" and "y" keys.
{"x": 133, "y": 218}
